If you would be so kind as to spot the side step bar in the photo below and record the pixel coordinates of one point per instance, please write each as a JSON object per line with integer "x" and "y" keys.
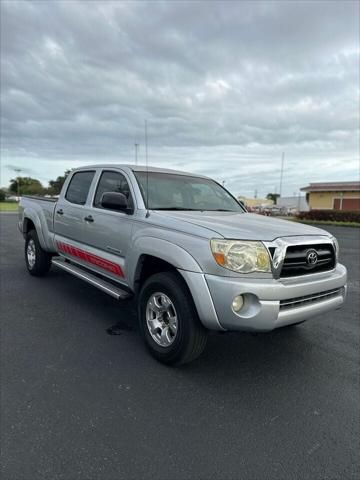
{"x": 99, "y": 283}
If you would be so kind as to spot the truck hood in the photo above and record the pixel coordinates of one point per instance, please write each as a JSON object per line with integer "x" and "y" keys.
{"x": 242, "y": 226}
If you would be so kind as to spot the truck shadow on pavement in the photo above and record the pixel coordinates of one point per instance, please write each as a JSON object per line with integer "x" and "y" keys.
{"x": 261, "y": 356}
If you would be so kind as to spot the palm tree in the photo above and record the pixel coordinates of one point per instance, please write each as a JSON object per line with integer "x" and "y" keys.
{"x": 273, "y": 197}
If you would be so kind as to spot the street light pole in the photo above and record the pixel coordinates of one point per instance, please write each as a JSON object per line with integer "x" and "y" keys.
{"x": 136, "y": 152}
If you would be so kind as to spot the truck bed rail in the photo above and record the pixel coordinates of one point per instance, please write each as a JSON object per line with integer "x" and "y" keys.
{"x": 38, "y": 197}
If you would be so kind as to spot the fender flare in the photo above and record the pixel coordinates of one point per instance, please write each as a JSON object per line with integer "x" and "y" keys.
{"x": 171, "y": 253}
{"x": 188, "y": 268}
{"x": 31, "y": 214}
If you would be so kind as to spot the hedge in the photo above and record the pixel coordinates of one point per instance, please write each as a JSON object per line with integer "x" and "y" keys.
{"x": 330, "y": 215}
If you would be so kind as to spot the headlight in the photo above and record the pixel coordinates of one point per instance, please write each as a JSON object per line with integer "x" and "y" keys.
{"x": 241, "y": 256}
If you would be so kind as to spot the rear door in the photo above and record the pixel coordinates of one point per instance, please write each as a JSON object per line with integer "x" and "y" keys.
{"x": 69, "y": 216}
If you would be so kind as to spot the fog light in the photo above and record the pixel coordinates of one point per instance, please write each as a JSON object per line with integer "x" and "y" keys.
{"x": 238, "y": 303}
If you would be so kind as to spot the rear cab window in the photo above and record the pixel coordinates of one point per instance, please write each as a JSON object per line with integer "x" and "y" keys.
{"x": 79, "y": 186}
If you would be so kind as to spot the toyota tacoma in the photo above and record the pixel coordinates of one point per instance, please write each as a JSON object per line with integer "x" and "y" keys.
{"x": 188, "y": 252}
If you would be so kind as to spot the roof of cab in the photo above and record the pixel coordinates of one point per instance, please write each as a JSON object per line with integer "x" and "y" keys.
{"x": 139, "y": 168}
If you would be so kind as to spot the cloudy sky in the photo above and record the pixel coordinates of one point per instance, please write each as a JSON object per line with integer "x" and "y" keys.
{"x": 226, "y": 87}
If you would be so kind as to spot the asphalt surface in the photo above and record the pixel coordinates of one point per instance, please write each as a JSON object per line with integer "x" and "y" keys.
{"x": 78, "y": 403}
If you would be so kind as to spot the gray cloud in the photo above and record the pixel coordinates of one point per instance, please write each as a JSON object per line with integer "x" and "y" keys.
{"x": 225, "y": 86}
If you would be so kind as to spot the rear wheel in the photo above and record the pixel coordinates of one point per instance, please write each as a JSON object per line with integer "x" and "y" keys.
{"x": 38, "y": 261}
{"x": 168, "y": 320}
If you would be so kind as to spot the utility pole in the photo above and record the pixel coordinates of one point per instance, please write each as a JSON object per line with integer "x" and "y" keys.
{"x": 282, "y": 171}
{"x": 255, "y": 193}
{"x": 136, "y": 152}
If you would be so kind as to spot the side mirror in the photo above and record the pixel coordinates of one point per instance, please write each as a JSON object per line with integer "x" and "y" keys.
{"x": 114, "y": 201}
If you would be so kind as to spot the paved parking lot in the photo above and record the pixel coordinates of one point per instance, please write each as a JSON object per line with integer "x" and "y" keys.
{"x": 78, "y": 403}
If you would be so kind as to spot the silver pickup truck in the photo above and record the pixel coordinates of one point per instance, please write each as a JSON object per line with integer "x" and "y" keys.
{"x": 189, "y": 253}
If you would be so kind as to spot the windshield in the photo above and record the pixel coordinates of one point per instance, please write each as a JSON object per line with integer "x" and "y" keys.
{"x": 183, "y": 192}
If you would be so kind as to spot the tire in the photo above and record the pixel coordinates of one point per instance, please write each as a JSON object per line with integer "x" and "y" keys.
{"x": 181, "y": 344}
{"x": 38, "y": 262}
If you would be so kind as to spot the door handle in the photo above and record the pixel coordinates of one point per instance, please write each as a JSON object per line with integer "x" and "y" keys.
{"x": 89, "y": 218}
{"x": 60, "y": 212}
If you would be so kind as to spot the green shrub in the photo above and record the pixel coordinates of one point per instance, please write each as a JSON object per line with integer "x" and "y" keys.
{"x": 2, "y": 195}
{"x": 330, "y": 215}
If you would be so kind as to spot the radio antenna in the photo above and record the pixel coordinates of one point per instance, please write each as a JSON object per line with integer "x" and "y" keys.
{"x": 147, "y": 171}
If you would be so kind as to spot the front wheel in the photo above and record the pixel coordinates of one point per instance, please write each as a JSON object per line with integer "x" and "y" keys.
{"x": 168, "y": 320}
{"x": 38, "y": 261}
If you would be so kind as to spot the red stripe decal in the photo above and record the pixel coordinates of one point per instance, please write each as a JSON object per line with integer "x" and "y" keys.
{"x": 90, "y": 258}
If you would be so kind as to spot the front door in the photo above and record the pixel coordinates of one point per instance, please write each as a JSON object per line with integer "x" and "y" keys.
{"x": 109, "y": 232}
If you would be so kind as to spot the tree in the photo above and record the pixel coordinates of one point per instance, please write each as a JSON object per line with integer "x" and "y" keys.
{"x": 2, "y": 195}
{"x": 55, "y": 186}
{"x": 26, "y": 186}
{"x": 273, "y": 197}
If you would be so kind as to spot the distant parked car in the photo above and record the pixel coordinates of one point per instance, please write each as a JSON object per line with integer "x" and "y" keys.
{"x": 276, "y": 211}
{"x": 292, "y": 211}
{"x": 261, "y": 210}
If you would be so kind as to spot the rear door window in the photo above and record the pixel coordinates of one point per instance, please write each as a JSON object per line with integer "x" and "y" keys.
{"x": 79, "y": 187}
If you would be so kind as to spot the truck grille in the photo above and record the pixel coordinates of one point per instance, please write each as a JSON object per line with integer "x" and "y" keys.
{"x": 306, "y": 259}
{"x": 307, "y": 299}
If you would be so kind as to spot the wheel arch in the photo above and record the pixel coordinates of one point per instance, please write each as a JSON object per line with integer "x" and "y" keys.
{"x": 147, "y": 266}
{"x": 31, "y": 221}
{"x": 158, "y": 256}
{"x": 28, "y": 225}
{"x": 34, "y": 220}
{"x": 150, "y": 253}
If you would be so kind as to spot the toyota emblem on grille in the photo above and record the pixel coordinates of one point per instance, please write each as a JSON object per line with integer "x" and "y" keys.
{"x": 311, "y": 257}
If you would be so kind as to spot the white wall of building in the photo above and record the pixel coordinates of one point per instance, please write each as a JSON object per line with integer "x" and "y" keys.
{"x": 298, "y": 202}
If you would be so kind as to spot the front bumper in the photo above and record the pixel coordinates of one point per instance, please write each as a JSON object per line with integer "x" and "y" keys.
{"x": 270, "y": 304}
